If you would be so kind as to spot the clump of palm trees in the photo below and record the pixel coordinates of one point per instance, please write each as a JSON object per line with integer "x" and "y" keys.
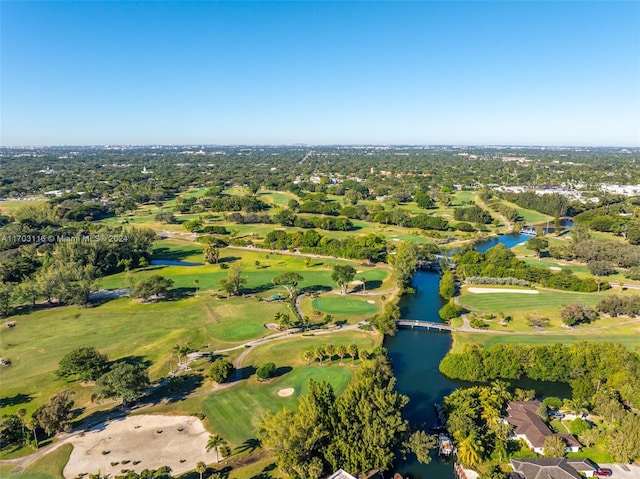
{"x": 328, "y": 351}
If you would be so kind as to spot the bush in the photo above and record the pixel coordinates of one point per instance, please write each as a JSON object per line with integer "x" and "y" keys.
{"x": 221, "y": 370}
{"x": 578, "y": 426}
{"x": 450, "y": 311}
{"x": 266, "y": 371}
{"x": 576, "y": 313}
{"x": 601, "y": 268}
{"x": 633, "y": 273}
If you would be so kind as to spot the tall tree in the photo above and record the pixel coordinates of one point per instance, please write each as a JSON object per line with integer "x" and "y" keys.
{"x": 211, "y": 254}
{"x": 126, "y": 381}
{"x": 215, "y": 442}
{"x": 87, "y": 364}
{"x": 232, "y": 284}
{"x": 201, "y": 468}
{"x": 56, "y": 416}
{"x": 288, "y": 281}
{"x": 404, "y": 262}
{"x": 343, "y": 275}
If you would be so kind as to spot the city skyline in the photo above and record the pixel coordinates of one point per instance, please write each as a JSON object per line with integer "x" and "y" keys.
{"x": 316, "y": 73}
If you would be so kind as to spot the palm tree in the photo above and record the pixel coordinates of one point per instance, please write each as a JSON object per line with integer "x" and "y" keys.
{"x": 364, "y": 284}
{"x": 214, "y": 442}
{"x": 196, "y": 282}
{"x": 330, "y": 349}
{"x": 470, "y": 449}
{"x": 21, "y": 414}
{"x": 342, "y": 351}
{"x": 353, "y": 352}
{"x": 308, "y": 356}
{"x": 201, "y": 468}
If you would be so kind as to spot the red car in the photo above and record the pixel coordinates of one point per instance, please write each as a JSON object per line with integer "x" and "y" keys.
{"x": 604, "y": 472}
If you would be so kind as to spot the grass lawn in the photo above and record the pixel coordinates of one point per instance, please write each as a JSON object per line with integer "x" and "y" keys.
{"x": 47, "y": 467}
{"x": 627, "y": 335}
{"x": 546, "y": 303}
{"x": 7, "y": 206}
{"x": 120, "y": 328}
{"x": 344, "y": 305}
{"x": 236, "y": 412}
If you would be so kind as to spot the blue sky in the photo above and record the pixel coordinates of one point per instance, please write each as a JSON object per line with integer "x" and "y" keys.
{"x": 552, "y": 73}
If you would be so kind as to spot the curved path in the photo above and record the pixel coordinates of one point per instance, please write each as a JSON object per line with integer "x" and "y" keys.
{"x": 22, "y": 462}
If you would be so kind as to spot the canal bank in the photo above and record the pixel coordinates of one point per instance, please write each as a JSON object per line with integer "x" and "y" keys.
{"x": 416, "y": 356}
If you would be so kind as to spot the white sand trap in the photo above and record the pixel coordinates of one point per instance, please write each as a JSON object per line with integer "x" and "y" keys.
{"x": 371, "y": 301}
{"x": 283, "y": 393}
{"x": 136, "y": 438}
{"x": 555, "y": 268}
{"x": 271, "y": 326}
{"x": 500, "y": 290}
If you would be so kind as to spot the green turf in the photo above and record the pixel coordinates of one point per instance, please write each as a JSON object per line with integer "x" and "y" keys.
{"x": 235, "y": 413}
{"x": 122, "y": 328}
{"x": 336, "y": 304}
{"x": 627, "y": 335}
{"x": 49, "y": 466}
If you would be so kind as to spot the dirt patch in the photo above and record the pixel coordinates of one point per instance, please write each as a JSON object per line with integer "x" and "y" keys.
{"x": 151, "y": 441}
{"x": 500, "y": 290}
{"x": 283, "y": 393}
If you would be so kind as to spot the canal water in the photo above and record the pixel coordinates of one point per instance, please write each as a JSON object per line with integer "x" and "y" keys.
{"x": 416, "y": 355}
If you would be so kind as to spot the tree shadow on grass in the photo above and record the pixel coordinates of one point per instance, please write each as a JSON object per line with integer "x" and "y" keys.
{"x": 317, "y": 288}
{"x": 281, "y": 371}
{"x": 258, "y": 289}
{"x": 15, "y": 400}
{"x": 176, "y": 389}
{"x": 134, "y": 361}
{"x": 245, "y": 372}
{"x": 249, "y": 445}
{"x": 229, "y": 259}
{"x": 172, "y": 254}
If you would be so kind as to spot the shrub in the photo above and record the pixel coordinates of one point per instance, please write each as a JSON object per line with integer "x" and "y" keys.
{"x": 576, "y": 313}
{"x": 450, "y": 311}
{"x": 266, "y": 371}
{"x": 221, "y": 370}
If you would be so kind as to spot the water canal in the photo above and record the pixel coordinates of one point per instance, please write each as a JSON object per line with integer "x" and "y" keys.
{"x": 416, "y": 355}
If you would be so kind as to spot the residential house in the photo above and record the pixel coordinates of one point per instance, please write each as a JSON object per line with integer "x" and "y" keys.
{"x": 527, "y": 425}
{"x": 552, "y": 468}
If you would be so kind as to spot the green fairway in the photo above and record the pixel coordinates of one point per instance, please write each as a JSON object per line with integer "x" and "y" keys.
{"x": 121, "y": 328}
{"x": 235, "y": 413}
{"x": 628, "y": 335}
{"x": 336, "y": 304}
{"x": 546, "y": 303}
{"x": 49, "y": 466}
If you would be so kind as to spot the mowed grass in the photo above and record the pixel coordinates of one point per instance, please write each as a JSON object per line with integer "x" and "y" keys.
{"x": 344, "y": 305}
{"x": 121, "y": 328}
{"x": 258, "y": 267}
{"x": 546, "y": 303}
{"x": 627, "y": 335}
{"x": 236, "y": 412}
{"x": 49, "y": 466}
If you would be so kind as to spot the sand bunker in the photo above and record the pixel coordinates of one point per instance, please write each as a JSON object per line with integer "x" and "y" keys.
{"x": 371, "y": 301}
{"x": 555, "y": 268}
{"x": 138, "y": 439}
{"x": 271, "y": 326}
{"x": 283, "y": 393}
{"x": 500, "y": 290}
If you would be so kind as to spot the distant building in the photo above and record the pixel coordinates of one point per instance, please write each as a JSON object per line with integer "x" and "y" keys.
{"x": 546, "y": 468}
{"x": 527, "y": 425}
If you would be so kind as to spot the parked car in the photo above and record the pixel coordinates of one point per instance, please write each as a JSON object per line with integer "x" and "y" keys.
{"x": 603, "y": 472}
{"x": 556, "y": 414}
